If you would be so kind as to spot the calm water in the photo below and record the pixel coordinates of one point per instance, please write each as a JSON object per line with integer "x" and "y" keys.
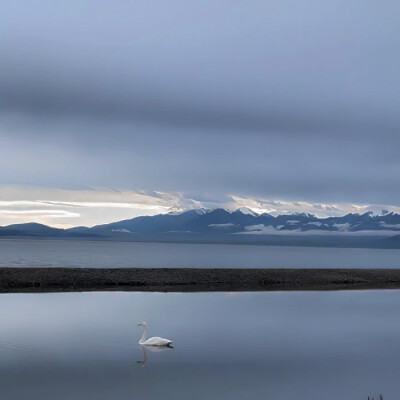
{"x": 278, "y": 346}
{"x": 116, "y": 254}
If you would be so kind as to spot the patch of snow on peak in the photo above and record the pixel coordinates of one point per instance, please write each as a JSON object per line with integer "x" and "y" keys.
{"x": 202, "y": 211}
{"x": 223, "y": 226}
{"x": 342, "y": 227}
{"x": 384, "y": 225}
{"x": 175, "y": 211}
{"x": 248, "y": 211}
{"x": 315, "y": 223}
{"x": 303, "y": 214}
{"x": 260, "y": 228}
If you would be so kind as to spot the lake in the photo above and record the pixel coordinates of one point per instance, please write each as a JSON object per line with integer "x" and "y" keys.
{"x": 280, "y": 346}
{"x": 59, "y": 253}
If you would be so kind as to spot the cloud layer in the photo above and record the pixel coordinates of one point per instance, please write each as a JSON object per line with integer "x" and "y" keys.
{"x": 276, "y": 100}
{"x": 68, "y": 208}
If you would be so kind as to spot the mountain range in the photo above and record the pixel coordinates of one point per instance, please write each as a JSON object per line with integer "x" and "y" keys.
{"x": 239, "y": 226}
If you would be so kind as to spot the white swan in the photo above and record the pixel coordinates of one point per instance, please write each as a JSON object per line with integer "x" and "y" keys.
{"x": 154, "y": 341}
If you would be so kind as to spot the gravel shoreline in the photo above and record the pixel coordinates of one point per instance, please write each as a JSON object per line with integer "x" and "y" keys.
{"x": 19, "y": 280}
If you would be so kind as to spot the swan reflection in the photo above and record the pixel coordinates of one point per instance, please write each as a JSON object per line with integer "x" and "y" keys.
{"x": 153, "y": 349}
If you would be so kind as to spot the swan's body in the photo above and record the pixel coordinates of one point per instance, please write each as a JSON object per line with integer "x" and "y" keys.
{"x": 153, "y": 341}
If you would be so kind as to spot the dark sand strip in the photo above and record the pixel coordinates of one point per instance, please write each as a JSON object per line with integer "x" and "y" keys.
{"x": 15, "y": 280}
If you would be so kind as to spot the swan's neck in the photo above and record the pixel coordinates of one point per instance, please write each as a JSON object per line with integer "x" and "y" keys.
{"x": 143, "y": 339}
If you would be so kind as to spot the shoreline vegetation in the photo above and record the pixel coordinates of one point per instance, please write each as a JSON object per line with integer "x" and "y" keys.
{"x": 42, "y": 280}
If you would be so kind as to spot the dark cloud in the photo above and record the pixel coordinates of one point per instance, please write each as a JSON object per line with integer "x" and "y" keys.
{"x": 293, "y": 100}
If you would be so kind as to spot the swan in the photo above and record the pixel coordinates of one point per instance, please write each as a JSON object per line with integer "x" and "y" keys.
{"x": 154, "y": 341}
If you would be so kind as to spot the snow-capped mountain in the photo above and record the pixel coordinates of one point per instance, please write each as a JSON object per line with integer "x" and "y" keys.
{"x": 244, "y": 221}
{"x": 237, "y": 226}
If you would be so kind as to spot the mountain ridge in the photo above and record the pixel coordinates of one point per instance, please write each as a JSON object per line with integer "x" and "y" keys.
{"x": 220, "y": 224}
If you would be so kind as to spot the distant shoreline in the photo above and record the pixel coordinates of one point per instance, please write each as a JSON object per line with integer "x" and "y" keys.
{"x": 383, "y": 242}
{"x": 42, "y": 280}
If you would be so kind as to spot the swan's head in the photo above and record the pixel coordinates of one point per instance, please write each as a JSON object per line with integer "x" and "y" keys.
{"x": 142, "y": 324}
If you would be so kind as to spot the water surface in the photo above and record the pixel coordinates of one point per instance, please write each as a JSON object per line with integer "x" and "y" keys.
{"x": 59, "y": 253}
{"x": 280, "y": 346}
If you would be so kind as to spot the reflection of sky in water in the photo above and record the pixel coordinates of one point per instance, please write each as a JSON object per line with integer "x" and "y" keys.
{"x": 227, "y": 346}
{"x": 58, "y": 253}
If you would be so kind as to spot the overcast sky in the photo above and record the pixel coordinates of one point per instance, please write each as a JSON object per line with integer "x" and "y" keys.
{"x": 126, "y": 108}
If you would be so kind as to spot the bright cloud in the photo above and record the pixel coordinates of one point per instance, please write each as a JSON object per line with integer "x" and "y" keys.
{"x": 321, "y": 210}
{"x": 66, "y": 208}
